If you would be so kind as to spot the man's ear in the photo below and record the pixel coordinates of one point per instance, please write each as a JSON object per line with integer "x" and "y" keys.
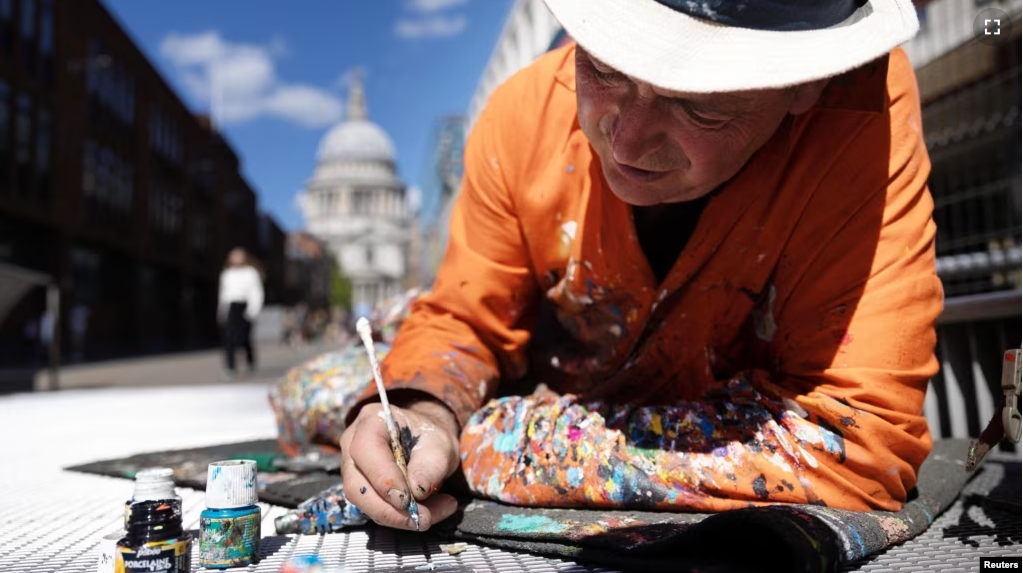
{"x": 804, "y": 96}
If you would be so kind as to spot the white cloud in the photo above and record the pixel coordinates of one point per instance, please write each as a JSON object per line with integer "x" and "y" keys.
{"x": 433, "y": 5}
{"x": 426, "y": 21}
{"x": 247, "y": 86}
{"x": 305, "y": 105}
{"x": 431, "y": 27}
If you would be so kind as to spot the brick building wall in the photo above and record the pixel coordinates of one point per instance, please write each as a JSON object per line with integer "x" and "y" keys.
{"x": 111, "y": 185}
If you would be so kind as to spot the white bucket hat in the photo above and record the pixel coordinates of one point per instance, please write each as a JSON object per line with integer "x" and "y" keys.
{"x": 706, "y": 46}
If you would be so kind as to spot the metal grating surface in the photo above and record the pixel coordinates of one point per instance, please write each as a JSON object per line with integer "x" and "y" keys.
{"x": 52, "y": 520}
{"x": 43, "y": 532}
{"x": 55, "y": 525}
{"x": 941, "y": 548}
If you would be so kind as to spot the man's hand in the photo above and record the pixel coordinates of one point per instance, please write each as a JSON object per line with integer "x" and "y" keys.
{"x": 371, "y": 478}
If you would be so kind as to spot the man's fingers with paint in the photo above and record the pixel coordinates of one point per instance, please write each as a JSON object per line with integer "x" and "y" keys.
{"x": 372, "y": 480}
{"x": 433, "y": 455}
{"x": 359, "y": 492}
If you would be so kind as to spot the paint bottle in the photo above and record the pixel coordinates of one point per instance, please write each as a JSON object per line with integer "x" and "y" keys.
{"x": 326, "y": 513}
{"x": 229, "y": 531}
{"x": 156, "y": 541}
{"x": 153, "y": 484}
{"x": 108, "y": 551}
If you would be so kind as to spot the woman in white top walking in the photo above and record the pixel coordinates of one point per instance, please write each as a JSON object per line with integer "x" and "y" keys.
{"x": 241, "y": 299}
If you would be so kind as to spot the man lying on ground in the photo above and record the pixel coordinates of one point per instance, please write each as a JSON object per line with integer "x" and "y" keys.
{"x": 695, "y": 254}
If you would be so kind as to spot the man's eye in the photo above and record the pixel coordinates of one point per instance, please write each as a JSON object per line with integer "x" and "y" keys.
{"x": 608, "y": 76}
{"x": 701, "y": 119}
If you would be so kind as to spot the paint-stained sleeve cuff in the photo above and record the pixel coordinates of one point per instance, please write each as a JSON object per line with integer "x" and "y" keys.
{"x": 461, "y": 406}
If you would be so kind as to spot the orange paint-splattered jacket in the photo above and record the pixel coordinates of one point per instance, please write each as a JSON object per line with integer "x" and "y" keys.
{"x": 812, "y": 271}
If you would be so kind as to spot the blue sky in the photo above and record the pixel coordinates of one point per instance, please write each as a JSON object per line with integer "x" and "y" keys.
{"x": 287, "y": 64}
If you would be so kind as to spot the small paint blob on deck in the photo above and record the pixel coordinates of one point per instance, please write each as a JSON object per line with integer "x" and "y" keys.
{"x": 309, "y": 564}
{"x": 529, "y": 524}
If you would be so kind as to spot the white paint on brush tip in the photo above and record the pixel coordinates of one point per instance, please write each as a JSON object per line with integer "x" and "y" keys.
{"x": 366, "y": 334}
{"x": 364, "y": 329}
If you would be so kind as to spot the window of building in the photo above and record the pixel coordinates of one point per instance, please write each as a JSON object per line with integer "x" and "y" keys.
{"x": 198, "y": 233}
{"x": 85, "y": 275}
{"x": 129, "y": 99}
{"x": 155, "y": 128}
{"x": 23, "y": 143}
{"x": 126, "y": 186}
{"x": 202, "y": 171}
{"x": 42, "y": 156}
{"x": 107, "y": 179}
{"x": 361, "y": 202}
{"x": 28, "y": 33}
{"x": 121, "y": 96}
{"x": 46, "y": 41}
{"x": 28, "y": 18}
{"x": 46, "y": 27}
{"x": 92, "y": 71}
{"x": 164, "y": 135}
{"x": 115, "y": 93}
{"x": 104, "y": 88}
{"x": 7, "y": 25}
{"x": 109, "y": 83}
{"x": 232, "y": 200}
{"x": 369, "y": 256}
{"x": 106, "y": 170}
{"x": 164, "y": 207}
{"x": 89, "y": 169}
{"x": 5, "y": 133}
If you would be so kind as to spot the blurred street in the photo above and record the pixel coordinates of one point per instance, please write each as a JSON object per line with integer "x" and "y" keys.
{"x": 184, "y": 369}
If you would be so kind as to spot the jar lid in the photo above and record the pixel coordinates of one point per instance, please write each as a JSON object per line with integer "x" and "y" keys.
{"x": 154, "y": 474}
{"x": 231, "y": 484}
{"x": 154, "y": 484}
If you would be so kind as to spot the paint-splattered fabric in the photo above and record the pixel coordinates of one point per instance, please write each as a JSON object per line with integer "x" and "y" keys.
{"x": 735, "y": 445}
{"x": 810, "y": 275}
{"x": 311, "y": 403}
{"x": 797, "y": 537}
{"x": 314, "y": 398}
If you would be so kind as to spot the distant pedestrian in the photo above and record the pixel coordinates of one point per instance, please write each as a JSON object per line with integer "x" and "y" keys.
{"x": 32, "y": 345}
{"x": 241, "y": 299}
{"x": 288, "y": 327}
{"x": 301, "y": 324}
{"x": 79, "y": 322}
{"x": 46, "y": 333}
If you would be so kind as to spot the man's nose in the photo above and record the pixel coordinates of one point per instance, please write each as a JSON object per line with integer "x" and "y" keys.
{"x": 639, "y": 129}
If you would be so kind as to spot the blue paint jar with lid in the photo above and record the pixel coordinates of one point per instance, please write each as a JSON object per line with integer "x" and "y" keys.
{"x": 229, "y": 527}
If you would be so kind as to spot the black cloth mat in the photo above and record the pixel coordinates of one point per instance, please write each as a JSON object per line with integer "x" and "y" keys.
{"x": 795, "y": 538}
{"x": 277, "y": 488}
{"x": 792, "y": 538}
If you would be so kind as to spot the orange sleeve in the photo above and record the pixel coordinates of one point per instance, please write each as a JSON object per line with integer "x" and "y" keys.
{"x": 471, "y": 330}
{"x": 881, "y": 315}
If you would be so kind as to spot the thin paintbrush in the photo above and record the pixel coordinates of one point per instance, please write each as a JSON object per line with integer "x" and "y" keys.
{"x": 366, "y": 334}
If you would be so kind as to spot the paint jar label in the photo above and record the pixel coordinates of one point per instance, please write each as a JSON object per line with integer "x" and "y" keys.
{"x": 108, "y": 552}
{"x": 229, "y": 541}
{"x": 171, "y": 556}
